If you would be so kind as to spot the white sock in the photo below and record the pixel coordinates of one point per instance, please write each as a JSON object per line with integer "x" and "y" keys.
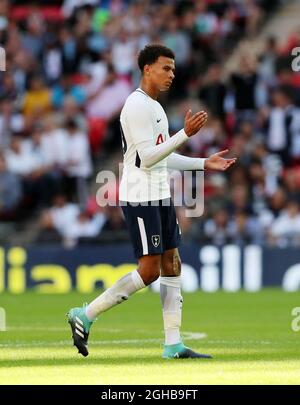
{"x": 171, "y": 300}
{"x": 114, "y": 295}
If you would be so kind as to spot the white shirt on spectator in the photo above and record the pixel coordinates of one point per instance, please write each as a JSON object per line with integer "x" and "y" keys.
{"x": 20, "y": 163}
{"x": 295, "y": 128}
{"x": 277, "y": 132}
{"x": 89, "y": 228}
{"x": 55, "y": 147}
{"x": 79, "y": 153}
{"x": 97, "y": 72}
{"x": 286, "y": 225}
{"x": 124, "y": 55}
{"x": 64, "y": 217}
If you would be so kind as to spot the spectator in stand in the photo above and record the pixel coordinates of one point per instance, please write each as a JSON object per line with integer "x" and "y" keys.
{"x": 124, "y": 51}
{"x": 33, "y": 38}
{"x": 65, "y": 88}
{"x": 10, "y": 191}
{"x": 106, "y": 102}
{"x": 86, "y": 228}
{"x": 285, "y": 229}
{"x": 291, "y": 181}
{"x": 216, "y": 229}
{"x": 64, "y": 221}
{"x": 62, "y": 214}
{"x": 11, "y": 122}
{"x": 18, "y": 158}
{"x": 23, "y": 162}
{"x": 8, "y": 90}
{"x": 177, "y": 39}
{"x": 218, "y": 199}
{"x": 70, "y": 111}
{"x": 243, "y": 83}
{"x": 37, "y": 100}
{"x": 78, "y": 165}
{"x": 114, "y": 227}
{"x": 213, "y": 91}
{"x": 54, "y": 144}
{"x": 268, "y": 62}
{"x": 240, "y": 200}
{"x": 80, "y": 69}
{"x": 245, "y": 229}
{"x": 280, "y": 131}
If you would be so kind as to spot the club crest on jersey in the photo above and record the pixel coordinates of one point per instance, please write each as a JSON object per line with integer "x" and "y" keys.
{"x": 155, "y": 240}
{"x": 159, "y": 139}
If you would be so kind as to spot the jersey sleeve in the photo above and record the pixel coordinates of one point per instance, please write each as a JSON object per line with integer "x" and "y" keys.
{"x": 180, "y": 162}
{"x": 139, "y": 121}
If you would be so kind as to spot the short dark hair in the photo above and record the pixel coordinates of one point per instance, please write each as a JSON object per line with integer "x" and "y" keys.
{"x": 151, "y": 53}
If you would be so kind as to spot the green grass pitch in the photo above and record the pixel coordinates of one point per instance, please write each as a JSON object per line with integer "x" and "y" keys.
{"x": 248, "y": 334}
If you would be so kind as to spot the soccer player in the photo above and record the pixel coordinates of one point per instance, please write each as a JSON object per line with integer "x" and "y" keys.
{"x": 146, "y": 203}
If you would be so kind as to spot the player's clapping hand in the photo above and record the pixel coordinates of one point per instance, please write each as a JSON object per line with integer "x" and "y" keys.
{"x": 194, "y": 122}
{"x": 217, "y": 162}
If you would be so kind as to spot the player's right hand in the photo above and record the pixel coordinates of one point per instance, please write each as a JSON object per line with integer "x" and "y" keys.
{"x": 194, "y": 122}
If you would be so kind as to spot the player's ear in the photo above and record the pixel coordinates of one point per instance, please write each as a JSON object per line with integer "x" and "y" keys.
{"x": 146, "y": 70}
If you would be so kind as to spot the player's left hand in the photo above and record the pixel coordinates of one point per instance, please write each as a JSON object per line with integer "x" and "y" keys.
{"x": 217, "y": 162}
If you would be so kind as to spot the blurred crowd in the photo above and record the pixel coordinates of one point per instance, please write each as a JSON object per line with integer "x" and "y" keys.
{"x": 70, "y": 65}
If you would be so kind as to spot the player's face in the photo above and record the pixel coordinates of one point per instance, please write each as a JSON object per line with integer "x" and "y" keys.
{"x": 161, "y": 73}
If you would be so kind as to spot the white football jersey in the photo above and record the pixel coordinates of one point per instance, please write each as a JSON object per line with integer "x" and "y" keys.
{"x": 148, "y": 148}
{"x": 143, "y": 119}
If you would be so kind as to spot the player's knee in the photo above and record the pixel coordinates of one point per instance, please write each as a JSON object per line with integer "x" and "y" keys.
{"x": 150, "y": 276}
{"x": 149, "y": 269}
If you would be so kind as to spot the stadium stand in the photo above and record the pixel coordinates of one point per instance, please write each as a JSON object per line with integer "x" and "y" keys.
{"x": 71, "y": 65}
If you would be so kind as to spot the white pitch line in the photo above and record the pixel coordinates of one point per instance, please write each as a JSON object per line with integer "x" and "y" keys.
{"x": 186, "y": 336}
